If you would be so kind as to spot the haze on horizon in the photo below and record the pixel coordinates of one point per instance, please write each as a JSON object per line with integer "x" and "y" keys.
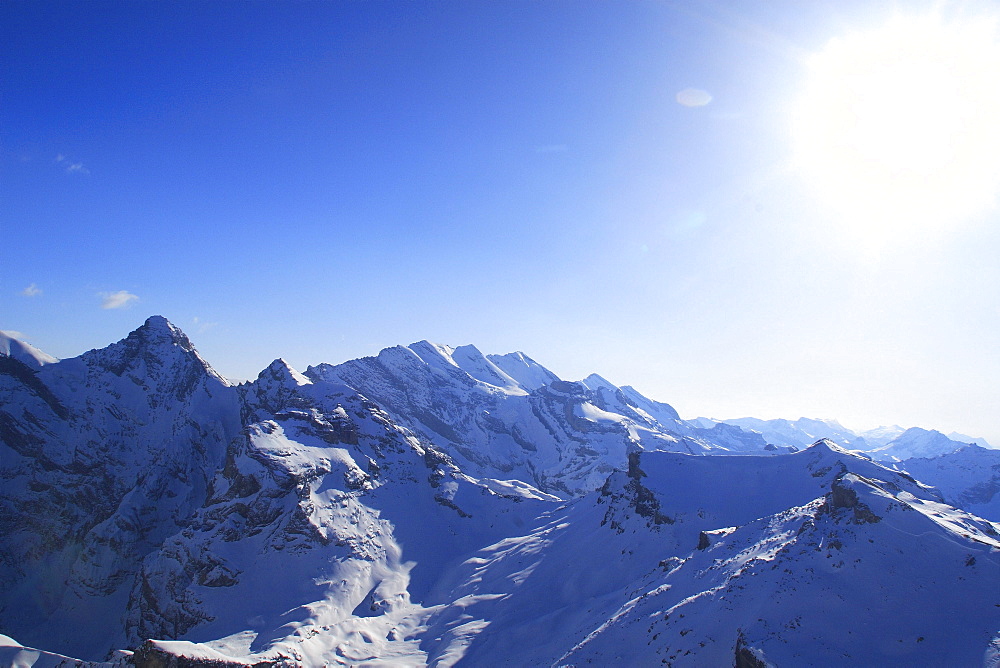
{"x": 711, "y": 202}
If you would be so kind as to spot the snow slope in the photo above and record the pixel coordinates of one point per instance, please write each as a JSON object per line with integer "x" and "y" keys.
{"x": 867, "y": 574}
{"x": 23, "y": 352}
{"x": 678, "y": 556}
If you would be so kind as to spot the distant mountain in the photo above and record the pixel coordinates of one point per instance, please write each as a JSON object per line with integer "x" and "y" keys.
{"x": 798, "y": 433}
{"x": 882, "y": 435}
{"x": 969, "y": 478}
{"x": 434, "y": 505}
{"x": 883, "y": 443}
{"x": 975, "y": 440}
{"x": 916, "y": 442}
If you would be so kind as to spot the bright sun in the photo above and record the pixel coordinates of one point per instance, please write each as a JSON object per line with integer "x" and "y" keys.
{"x": 899, "y": 128}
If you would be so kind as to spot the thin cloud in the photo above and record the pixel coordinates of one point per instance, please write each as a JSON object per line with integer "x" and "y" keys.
{"x": 72, "y": 167}
{"x": 694, "y": 97}
{"x": 31, "y": 291}
{"x": 120, "y": 299}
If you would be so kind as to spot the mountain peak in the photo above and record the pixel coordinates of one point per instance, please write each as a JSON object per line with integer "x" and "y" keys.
{"x": 826, "y": 445}
{"x": 596, "y": 382}
{"x": 159, "y": 347}
{"x": 281, "y": 370}
{"x": 158, "y": 330}
{"x": 158, "y": 322}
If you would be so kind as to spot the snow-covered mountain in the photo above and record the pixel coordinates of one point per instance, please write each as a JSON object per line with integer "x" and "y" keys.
{"x": 433, "y": 506}
{"x": 883, "y": 443}
{"x": 974, "y": 440}
{"x": 506, "y": 416}
{"x": 797, "y": 433}
{"x": 969, "y": 478}
{"x": 916, "y": 442}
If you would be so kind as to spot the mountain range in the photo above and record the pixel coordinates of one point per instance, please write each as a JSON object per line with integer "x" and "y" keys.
{"x": 438, "y": 506}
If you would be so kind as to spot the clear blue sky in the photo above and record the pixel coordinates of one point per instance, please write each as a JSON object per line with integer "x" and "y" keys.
{"x": 320, "y": 180}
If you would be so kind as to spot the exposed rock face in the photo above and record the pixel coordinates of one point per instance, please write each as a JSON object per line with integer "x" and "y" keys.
{"x": 634, "y": 498}
{"x": 748, "y": 657}
{"x": 843, "y": 495}
{"x": 106, "y": 455}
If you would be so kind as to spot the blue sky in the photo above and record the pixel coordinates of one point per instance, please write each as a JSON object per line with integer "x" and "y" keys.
{"x": 320, "y": 180}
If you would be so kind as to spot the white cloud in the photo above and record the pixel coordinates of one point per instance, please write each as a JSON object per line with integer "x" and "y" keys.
{"x": 694, "y": 97}
{"x": 31, "y": 291}
{"x": 120, "y": 299}
{"x": 72, "y": 167}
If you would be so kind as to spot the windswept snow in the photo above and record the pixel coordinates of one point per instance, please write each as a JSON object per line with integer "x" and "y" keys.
{"x": 23, "y": 351}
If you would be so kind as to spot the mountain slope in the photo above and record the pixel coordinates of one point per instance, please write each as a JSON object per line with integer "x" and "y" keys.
{"x": 570, "y": 591}
{"x": 867, "y": 574}
{"x": 969, "y": 478}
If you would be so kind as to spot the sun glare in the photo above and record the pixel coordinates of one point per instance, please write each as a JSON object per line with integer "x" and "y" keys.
{"x": 898, "y": 129}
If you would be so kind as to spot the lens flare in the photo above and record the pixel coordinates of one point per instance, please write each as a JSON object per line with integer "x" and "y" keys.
{"x": 898, "y": 129}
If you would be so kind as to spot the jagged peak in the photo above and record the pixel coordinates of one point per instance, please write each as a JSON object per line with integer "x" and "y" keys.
{"x": 830, "y": 422}
{"x": 663, "y": 411}
{"x": 473, "y": 362}
{"x": 281, "y": 370}
{"x": 157, "y": 340}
